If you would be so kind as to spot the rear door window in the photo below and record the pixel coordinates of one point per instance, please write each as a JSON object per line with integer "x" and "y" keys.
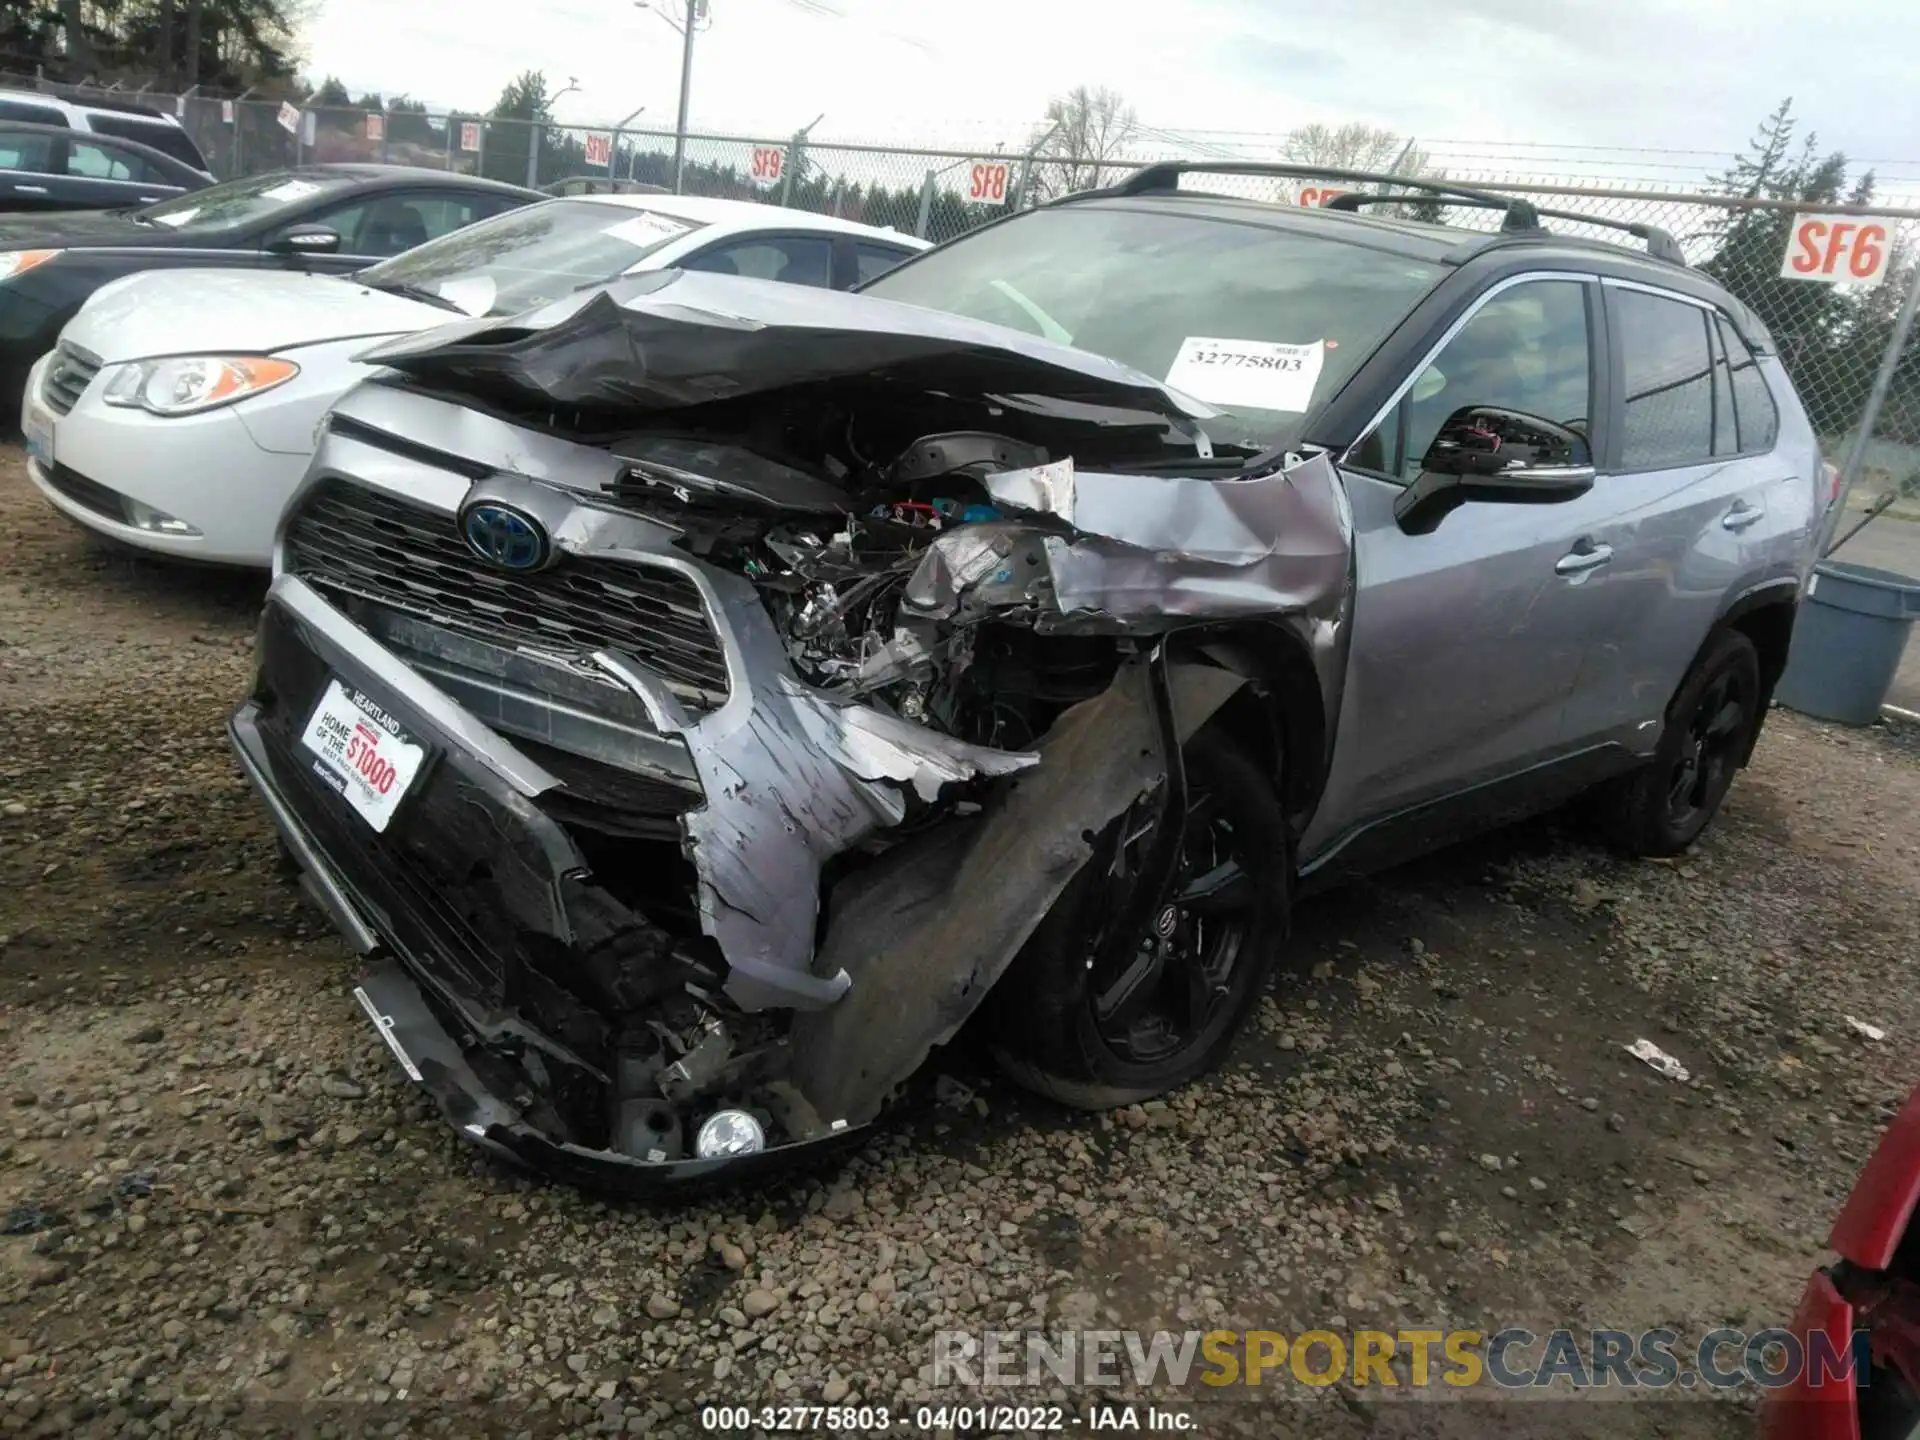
{"x": 1667, "y": 378}
{"x": 792, "y": 259}
{"x": 167, "y": 139}
{"x": 94, "y": 161}
{"x": 871, "y": 261}
{"x": 1757, "y": 415}
{"x": 1726, "y": 434}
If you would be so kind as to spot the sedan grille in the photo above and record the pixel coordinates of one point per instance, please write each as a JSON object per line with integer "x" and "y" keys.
{"x": 67, "y": 377}
{"x": 365, "y": 544}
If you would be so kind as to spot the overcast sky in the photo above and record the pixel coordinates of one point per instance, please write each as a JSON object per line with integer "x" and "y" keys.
{"x": 1690, "y": 74}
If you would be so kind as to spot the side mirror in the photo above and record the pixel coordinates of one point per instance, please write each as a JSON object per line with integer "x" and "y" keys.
{"x": 305, "y": 240}
{"x": 1502, "y": 456}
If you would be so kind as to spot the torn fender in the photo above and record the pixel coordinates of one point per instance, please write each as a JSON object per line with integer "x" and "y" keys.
{"x": 1156, "y": 547}
{"x": 792, "y": 778}
{"x": 926, "y": 930}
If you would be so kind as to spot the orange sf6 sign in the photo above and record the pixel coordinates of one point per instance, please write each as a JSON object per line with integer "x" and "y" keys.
{"x": 1836, "y": 249}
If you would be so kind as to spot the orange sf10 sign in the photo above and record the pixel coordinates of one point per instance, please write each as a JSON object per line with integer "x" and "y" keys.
{"x": 599, "y": 148}
{"x": 988, "y": 181}
{"x": 1836, "y": 249}
{"x": 768, "y": 162}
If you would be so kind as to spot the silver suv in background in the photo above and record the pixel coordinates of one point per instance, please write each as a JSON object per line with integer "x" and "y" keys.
{"x": 116, "y": 119}
{"x": 702, "y": 696}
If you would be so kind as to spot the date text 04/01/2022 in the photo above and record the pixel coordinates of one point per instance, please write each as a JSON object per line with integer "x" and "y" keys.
{"x": 925, "y": 1419}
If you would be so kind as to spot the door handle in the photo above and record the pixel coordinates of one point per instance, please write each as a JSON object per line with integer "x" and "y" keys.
{"x": 31, "y": 189}
{"x": 1741, "y": 516}
{"x": 1578, "y": 561}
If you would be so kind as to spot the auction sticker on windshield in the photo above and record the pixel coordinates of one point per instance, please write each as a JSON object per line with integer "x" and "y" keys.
{"x": 1256, "y": 374}
{"x": 361, "y": 751}
{"x": 648, "y": 228}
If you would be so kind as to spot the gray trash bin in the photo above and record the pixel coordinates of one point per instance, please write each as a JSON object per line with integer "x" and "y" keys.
{"x": 1847, "y": 642}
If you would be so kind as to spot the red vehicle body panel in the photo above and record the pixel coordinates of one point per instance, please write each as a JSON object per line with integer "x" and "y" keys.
{"x": 1799, "y": 1411}
{"x": 1876, "y": 1214}
{"x": 1867, "y": 1235}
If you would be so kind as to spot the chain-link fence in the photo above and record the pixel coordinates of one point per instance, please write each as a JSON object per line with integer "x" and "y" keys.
{"x": 1832, "y": 337}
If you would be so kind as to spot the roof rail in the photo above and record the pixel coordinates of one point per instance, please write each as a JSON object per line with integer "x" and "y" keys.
{"x": 1165, "y": 175}
{"x": 1660, "y": 243}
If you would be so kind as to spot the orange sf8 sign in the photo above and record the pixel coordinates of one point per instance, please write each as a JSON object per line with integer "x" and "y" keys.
{"x": 768, "y": 161}
{"x": 1319, "y": 194}
{"x": 988, "y": 181}
{"x": 1836, "y": 249}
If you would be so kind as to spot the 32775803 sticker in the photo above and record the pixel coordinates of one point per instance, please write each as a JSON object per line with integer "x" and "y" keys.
{"x": 1249, "y": 374}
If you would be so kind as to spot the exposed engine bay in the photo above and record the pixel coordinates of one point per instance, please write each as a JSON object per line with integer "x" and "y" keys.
{"x": 969, "y": 592}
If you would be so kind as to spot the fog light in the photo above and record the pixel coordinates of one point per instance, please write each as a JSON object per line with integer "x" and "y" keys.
{"x": 145, "y": 517}
{"x": 730, "y": 1132}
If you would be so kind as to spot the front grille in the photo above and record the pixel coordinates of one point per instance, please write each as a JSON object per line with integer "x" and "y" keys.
{"x": 67, "y": 377}
{"x": 358, "y": 542}
{"x": 87, "y": 494}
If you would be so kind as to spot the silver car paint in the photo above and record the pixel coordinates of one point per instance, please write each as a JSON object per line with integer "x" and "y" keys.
{"x": 1467, "y": 654}
{"x": 1471, "y": 657}
{"x": 793, "y": 776}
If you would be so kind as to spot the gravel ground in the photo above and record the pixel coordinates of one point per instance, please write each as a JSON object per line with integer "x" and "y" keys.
{"x": 231, "y": 1208}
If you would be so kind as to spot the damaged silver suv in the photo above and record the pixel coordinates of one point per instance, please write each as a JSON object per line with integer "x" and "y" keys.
{"x": 700, "y": 697}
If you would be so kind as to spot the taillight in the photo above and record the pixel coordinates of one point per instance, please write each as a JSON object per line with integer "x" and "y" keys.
{"x": 1832, "y": 472}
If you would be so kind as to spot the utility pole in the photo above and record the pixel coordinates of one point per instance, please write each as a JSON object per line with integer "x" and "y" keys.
{"x": 797, "y": 157}
{"x": 686, "y": 87}
{"x": 692, "y": 14}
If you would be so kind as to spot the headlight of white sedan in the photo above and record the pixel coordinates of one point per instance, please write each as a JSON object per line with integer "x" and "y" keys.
{"x": 188, "y": 384}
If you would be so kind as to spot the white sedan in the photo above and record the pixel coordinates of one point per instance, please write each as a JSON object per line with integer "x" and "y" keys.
{"x": 180, "y": 409}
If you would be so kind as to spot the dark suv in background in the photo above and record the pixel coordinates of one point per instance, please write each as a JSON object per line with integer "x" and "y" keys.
{"x": 703, "y": 696}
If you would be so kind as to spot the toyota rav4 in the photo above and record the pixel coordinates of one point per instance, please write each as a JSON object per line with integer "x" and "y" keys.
{"x": 700, "y": 697}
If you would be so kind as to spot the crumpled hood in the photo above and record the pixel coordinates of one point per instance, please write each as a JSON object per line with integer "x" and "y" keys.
{"x": 674, "y": 338}
{"x": 180, "y": 312}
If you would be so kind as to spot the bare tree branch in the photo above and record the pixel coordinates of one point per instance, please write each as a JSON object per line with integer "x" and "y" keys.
{"x": 1082, "y": 128}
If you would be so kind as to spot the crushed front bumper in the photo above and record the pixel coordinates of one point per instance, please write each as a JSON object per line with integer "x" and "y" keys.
{"x": 469, "y": 882}
{"x": 434, "y": 1060}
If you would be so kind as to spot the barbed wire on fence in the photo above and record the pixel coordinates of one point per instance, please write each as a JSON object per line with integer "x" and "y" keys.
{"x": 1830, "y": 337}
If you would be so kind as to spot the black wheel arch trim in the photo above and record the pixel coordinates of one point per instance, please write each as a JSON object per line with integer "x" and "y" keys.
{"x": 1780, "y": 593}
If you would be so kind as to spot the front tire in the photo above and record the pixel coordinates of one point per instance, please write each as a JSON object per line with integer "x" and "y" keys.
{"x": 1661, "y": 808}
{"x": 1093, "y": 1040}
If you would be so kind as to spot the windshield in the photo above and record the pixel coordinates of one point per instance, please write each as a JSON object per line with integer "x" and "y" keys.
{"x": 240, "y": 202}
{"x": 523, "y": 259}
{"x": 1258, "y": 322}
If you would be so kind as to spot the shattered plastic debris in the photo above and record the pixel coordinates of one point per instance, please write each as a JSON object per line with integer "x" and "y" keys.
{"x": 1863, "y": 1029}
{"x": 1659, "y": 1059}
{"x": 954, "y": 1094}
{"x": 29, "y": 1219}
